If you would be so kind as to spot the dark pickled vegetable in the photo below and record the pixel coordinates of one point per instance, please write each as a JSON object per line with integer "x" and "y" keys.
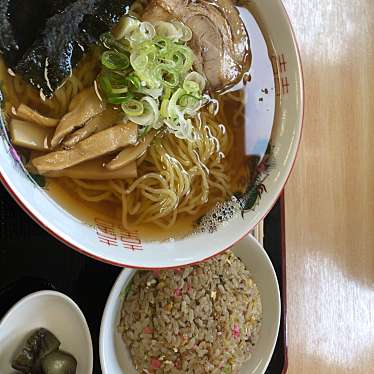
{"x": 41, "y": 343}
{"x": 59, "y": 362}
{"x": 53, "y": 36}
{"x": 40, "y": 355}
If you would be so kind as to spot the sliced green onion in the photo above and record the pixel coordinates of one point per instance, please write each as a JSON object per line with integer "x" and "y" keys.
{"x": 105, "y": 84}
{"x": 171, "y": 125}
{"x": 173, "y": 107}
{"x": 146, "y": 47}
{"x": 194, "y": 76}
{"x": 146, "y": 118}
{"x": 167, "y": 30}
{"x": 164, "y": 108}
{"x": 167, "y": 75}
{"x": 125, "y": 27}
{"x": 109, "y": 42}
{"x": 106, "y": 39}
{"x": 185, "y": 31}
{"x": 175, "y": 59}
{"x": 153, "y": 92}
{"x": 191, "y": 86}
{"x": 115, "y": 60}
{"x": 145, "y": 131}
{"x": 167, "y": 93}
{"x": 125, "y": 45}
{"x": 144, "y": 32}
{"x": 112, "y": 83}
{"x": 133, "y": 80}
{"x": 150, "y": 116}
{"x": 136, "y": 37}
{"x": 148, "y": 30}
{"x": 162, "y": 43}
{"x": 116, "y": 77}
{"x": 118, "y": 91}
{"x": 117, "y": 100}
{"x": 139, "y": 61}
{"x": 181, "y": 56}
{"x": 147, "y": 71}
{"x": 133, "y": 107}
{"x": 154, "y": 106}
{"x": 188, "y": 100}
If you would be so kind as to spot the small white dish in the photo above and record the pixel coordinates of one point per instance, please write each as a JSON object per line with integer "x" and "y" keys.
{"x": 115, "y": 358}
{"x": 57, "y": 313}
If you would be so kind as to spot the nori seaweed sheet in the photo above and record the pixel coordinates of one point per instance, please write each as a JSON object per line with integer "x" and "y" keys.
{"x": 43, "y": 40}
{"x": 22, "y": 22}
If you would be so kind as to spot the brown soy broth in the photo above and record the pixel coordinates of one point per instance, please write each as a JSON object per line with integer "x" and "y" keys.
{"x": 88, "y": 212}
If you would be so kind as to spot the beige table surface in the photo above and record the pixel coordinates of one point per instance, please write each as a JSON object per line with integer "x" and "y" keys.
{"x": 330, "y": 195}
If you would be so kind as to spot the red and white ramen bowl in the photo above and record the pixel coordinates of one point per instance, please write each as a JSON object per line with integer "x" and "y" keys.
{"x": 275, "y": 100}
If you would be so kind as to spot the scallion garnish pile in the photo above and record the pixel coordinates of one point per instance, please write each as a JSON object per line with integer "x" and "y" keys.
{"x": 147, "y": 70}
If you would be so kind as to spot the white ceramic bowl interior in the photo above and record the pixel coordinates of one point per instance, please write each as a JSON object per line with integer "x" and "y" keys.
{"x": 283, "y": 104}
{"x": 115, "y": 358}
{"x": 57, "y": 313}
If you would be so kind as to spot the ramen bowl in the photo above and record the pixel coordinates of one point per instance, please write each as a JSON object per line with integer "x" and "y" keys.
{"x": 275, "y": 107}
{"x": 115, "y": 357}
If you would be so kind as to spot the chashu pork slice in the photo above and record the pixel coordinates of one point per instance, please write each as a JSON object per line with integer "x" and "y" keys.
{"x": 219, "y": 38}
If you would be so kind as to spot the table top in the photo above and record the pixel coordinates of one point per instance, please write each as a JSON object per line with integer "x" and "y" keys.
{"x": 330, "y": 195}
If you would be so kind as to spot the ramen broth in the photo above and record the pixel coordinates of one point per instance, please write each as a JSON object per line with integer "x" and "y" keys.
{"x": 250, "y": 141}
